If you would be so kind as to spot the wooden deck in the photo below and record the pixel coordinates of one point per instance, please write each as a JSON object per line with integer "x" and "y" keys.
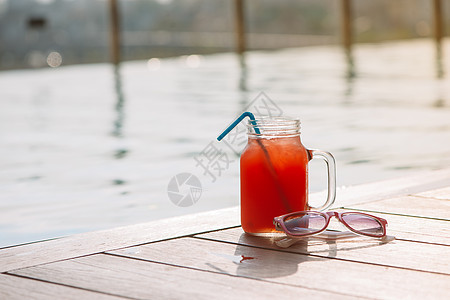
{"x": 208, "y": 256}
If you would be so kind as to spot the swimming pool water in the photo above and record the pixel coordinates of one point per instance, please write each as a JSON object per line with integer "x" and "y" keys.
{"x": 83, "y": 149}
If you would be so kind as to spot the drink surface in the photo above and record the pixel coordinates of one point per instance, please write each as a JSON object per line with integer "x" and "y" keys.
{"x": 274, "y": 181}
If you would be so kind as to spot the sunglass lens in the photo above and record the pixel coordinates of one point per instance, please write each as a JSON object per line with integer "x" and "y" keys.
{"x": 363, "y": 224}
{"x": 305, "y": 223}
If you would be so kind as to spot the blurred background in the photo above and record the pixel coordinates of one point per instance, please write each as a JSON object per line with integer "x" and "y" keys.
{"x": 103, "y": 102}
{"x": 79, "y": 30}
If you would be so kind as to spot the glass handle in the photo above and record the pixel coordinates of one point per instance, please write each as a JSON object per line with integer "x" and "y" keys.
{"x": 331, "y": 166}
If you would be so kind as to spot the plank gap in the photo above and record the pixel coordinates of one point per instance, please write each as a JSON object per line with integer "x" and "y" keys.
{"x": 67, "y": 285}
{"x": 395, "y": 214}
{"x": 284, "y": 250}
{"x": 228, "y": 274}
{"x": 163, "y": 240}
{"x": 292, "y": 268}
{"x": 115, "y": 249}
{"x": 421, "y": 242}
{"x": 147, "y": 280}
{"x": 33, "y": 242}
{"x": 427, "y": 197}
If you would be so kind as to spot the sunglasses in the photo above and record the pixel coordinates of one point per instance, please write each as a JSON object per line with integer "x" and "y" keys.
{"x": 305, "y": 223}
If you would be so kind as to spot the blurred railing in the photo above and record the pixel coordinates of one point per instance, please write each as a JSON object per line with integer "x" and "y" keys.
{"x": 347, "y": 29}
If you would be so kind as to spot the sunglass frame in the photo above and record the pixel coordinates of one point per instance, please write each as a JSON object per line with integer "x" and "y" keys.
{"x": 279, "y": 222}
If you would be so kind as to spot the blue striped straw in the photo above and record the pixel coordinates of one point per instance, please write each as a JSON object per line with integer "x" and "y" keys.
{"x": 229, "y": 128}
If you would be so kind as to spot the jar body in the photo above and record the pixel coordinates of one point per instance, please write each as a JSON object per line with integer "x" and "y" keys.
{"x": 274, "y": 181}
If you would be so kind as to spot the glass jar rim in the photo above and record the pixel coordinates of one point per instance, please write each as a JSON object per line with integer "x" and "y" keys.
{"x": 271, "y": 127}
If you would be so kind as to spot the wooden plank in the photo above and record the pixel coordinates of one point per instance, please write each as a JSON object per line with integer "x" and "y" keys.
{"x": 409, "y": 205}
{"x": 146, "y": 280}
{"x": 294, "y": 269}
{"x": 407, "y": 185}
{"x": 397, "y": 253}
{"x": 442, "y": 194}
{"x": 417, "y": 229}
{"x": 95, "y": 242}
{"x": 17, "y": 288}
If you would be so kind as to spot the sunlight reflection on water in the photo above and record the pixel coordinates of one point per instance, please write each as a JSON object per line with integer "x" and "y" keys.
{"x": 91, "y": 147}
